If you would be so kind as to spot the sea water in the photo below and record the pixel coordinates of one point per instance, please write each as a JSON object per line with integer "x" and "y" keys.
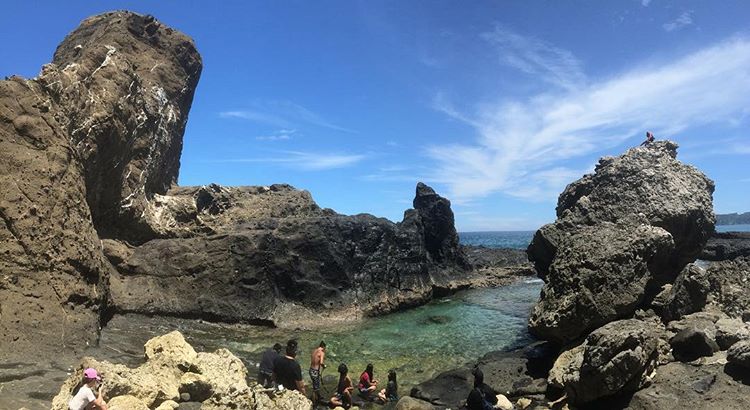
{"x": 419, "y": 343}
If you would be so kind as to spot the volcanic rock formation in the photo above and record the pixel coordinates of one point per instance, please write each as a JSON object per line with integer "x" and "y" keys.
{"x": 89, "y": 156}
{"x": 83, "y": 148}
{"x": 621, "y": 234}
{"x": 244, "y": 253}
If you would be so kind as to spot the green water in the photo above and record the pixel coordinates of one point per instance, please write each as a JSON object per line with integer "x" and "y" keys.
{"x": 419, "y": 343}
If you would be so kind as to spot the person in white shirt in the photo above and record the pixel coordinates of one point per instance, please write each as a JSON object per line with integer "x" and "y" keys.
{"x": 85, "y": 399}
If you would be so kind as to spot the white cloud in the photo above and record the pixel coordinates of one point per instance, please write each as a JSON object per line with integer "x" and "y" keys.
{"x": 283, "y": 114}
{"x": 645, "y": 3}
{"x": 683, "y": 20}
{"x": 523, "y": 148}
{"x": 280, "y": 135}
{"x": 308, "y": 161}
{"x": 536, "y": 57}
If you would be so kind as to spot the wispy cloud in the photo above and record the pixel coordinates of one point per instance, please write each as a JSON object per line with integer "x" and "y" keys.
{"x": 522, "y": 147}
{"x": 310, "y": 161}
{"x": 280, "y": 135}
{"x": 393, "y": 173}
{"x": 282, "y": 114}
{"x": 536, "y": 57}
{"x": 683, "y": 20}
{"x": 645, "y": 3}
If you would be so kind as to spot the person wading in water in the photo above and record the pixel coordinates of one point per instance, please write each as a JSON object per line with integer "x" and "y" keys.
{"x": 316, "y": 365}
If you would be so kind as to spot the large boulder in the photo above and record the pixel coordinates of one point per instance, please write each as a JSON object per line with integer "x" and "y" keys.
{"x": 621, "y": 234}
{"x": 616, "y": 358}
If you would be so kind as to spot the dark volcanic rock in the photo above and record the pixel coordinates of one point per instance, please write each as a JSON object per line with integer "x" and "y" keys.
{"x": 621, "y": 234}
{"x": 249, "y": 253}
{"x": 691, "y": 343}
{"x": 726, "y": 246}
{"x": 517, "y": 373}
{"x": 483, "y": 257}
{"x": 90, "y": 139}
{"x": 739, "y": 354}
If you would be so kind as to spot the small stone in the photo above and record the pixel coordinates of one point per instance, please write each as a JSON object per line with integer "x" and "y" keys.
{"x": 503, "y": 403}
{"x": 523, "y": 402}
{"x": 185, "y": 396}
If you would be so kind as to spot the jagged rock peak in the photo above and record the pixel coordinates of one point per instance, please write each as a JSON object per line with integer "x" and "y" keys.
{"x": 649, "y": 216}
{"x": 123, "y": 84}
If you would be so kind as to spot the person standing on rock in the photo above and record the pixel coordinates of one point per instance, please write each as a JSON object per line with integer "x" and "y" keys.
{"x": 649, "y": 139}
{"x": 265, "y": 370}
{"x": 84, "y": 398}
{"x": 316, "y": 365}
{"x": 286, "y": 370}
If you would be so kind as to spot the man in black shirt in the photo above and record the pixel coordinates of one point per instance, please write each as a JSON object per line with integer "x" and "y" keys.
{"x": 265, "y": 370}
{"x": 287, "y": 371}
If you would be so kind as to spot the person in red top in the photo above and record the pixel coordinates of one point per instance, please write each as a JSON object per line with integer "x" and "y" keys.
{"x": 367, "y": 383}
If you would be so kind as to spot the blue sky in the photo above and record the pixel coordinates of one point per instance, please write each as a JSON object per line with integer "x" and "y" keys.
{"x": 496, "y": 104}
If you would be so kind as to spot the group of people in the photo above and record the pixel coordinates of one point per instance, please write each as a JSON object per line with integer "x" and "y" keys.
{"x": 277, "y": 369}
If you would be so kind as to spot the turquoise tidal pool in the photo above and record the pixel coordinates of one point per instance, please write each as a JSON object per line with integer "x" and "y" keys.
{"x": 419, "y": 343}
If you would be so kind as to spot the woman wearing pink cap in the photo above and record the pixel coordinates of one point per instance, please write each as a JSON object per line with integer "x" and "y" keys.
{"x": 84, "y": 399}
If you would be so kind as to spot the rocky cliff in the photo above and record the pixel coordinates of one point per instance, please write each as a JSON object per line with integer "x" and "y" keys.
{"x": 83, "y": 148}
{"x": 248, "y": 254}
{"x": 93, "y": 223}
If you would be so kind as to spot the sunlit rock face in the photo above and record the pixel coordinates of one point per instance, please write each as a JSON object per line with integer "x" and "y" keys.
{"x": 122, "y": 85}
{"x": 621, "y": 233}
{"x": 84, "y": 147}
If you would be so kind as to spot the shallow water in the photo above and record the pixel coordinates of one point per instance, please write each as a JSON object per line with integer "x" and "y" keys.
{"x": 419, "y": 343}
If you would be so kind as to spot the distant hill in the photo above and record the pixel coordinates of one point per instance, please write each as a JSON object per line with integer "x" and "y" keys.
{"x": 733, "y": 219}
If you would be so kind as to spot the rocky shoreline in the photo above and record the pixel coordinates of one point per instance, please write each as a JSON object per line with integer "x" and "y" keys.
{"x": 95, "y": 228}
{"x": 629, "y": 320}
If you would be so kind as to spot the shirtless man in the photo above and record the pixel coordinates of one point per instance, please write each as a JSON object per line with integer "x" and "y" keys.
{"x": 316, "y": 365}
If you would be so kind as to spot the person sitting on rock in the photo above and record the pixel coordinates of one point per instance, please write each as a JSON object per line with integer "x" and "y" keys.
{"x": 367, "y": 383}
{"x": 649, "y": 139}
{"x": 481, "y": 396}
{"x": 286, "y": 370}
{"x": 265, "y": 370}
{"x": 343, "y": 396}
{"x": 84, "y": 398}
{"x": 390, "y": 393}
